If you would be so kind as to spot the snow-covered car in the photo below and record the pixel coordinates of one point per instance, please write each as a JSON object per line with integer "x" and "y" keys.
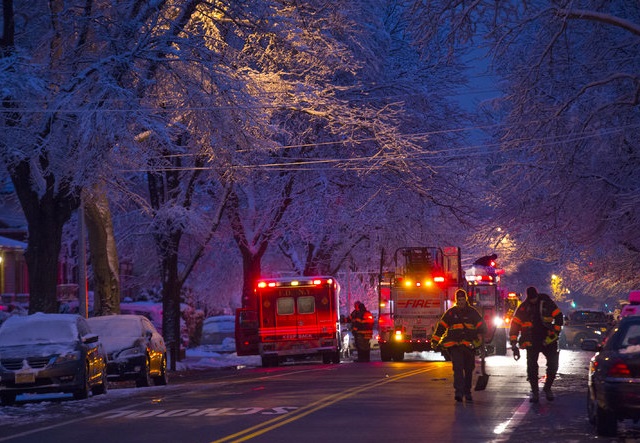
{"x": 135, "y": 349}
{"x": 614, "y": 377}
{"x": 219, "y": 330}
{"x": 153, "y": 312}
{"x": 50, "y": 353}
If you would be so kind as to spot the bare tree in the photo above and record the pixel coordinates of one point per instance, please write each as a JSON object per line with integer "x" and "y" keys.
{"x": 569, "y": 174}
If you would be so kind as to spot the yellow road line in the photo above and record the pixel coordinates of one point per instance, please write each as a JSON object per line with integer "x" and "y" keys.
{"x": 277, "y": 422}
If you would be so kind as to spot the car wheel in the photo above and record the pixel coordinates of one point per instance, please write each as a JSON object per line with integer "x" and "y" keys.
{"x": 163, "y": 379}
{"x": 269, "y": 361}
{"x": 144, "y": 379}
{"x": 101, "y": 388}
{"x": 8, "y": 399}
{"x": 591, "y": 407}
{"x": 385, "y": 353}
{"x": 83, "y": 392}
{"x": 606, "y": 422}
{"x": 578, "y": 339}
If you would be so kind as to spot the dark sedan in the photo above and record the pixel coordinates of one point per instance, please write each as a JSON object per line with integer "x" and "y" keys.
{"x": 614, "y": 377}
{"x": 50, "y": 353}
{"x": 135, "y": 349}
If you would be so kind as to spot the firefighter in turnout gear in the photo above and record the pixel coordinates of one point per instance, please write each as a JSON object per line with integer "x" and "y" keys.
{"x": 536, "y": 326}
{"x": 362, "y": 329}
{"x": 460, "y": 331}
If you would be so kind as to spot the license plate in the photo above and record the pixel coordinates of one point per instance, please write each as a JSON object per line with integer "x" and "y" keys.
{"x": 25, "y": 377}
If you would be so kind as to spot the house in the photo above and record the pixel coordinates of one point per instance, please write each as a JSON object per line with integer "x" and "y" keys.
{"x": 14, "y": 281}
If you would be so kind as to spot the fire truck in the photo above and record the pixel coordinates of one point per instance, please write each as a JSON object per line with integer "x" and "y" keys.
{"x": 291, "y": 318}
{"x": 413, "y": 296}
{"x": 496, "y": 305}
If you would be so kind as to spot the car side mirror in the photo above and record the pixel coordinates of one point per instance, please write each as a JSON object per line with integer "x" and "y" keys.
{"x": 90, "y": 338}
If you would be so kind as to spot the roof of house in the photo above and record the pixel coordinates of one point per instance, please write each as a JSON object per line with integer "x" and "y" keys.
{"x": 9, "y": 243}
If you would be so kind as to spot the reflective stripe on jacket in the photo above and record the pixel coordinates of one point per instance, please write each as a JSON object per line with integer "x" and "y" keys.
{"x": 362, "y": 323}
{"x": 521, "y": 331}
{"x": 460, "y": 327}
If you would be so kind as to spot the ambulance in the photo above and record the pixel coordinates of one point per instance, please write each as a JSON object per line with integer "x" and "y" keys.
{"x": 291, "y": 318}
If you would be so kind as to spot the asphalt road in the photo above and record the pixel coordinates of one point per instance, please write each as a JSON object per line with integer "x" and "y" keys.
{"x": 411, "y": 401}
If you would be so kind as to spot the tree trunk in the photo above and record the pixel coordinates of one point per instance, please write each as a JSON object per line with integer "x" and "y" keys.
{"x": 41, "y": 256}
{"x": 251, "y": 266}
{"x": 103, "y": 254}
{"x": 46, "y": 212}
{"x": 171, "y": 286}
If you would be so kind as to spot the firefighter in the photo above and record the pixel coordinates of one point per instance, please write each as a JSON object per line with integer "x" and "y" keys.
{"x": 362, "y": 329}
{"x": 460, "y": 331}
{"x": 536, "y": 326}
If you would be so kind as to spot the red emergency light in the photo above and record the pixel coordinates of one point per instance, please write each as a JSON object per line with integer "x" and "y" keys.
{"x": 272, "y": 284}
{"x": 482, "y": 278}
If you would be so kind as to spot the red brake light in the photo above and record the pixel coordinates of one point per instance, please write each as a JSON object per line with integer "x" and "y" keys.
{"x": 619, "y": 369}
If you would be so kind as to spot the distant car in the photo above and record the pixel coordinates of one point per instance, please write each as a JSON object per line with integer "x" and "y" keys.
{"x": 135, "y": 349}
{"x": 614, "y": 377}
{"x": 583, "y": 324}
{"x": 218, "y": 330}
{"x": 50, "y": 353}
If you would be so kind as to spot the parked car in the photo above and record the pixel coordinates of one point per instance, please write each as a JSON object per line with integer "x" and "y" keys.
{"x": 583, "y": 324}
{"x": 50, "y": 353}
{"x": 614, "y": 377}
{"x": 153, "y": 311}
{"x": 135, "y": 349}
{"x": 219, "y": 330}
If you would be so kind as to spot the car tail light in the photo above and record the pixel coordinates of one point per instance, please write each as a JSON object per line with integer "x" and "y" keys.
{"x": 619, "y": 369}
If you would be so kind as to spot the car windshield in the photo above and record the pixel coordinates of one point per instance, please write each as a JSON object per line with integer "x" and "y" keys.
{"x": 116, "y": 326}
{"x": 589, "y": 317}
{"x": 37, "y": 330}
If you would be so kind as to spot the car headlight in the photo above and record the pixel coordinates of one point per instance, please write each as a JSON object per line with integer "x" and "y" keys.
{"x": 68, "y": 357}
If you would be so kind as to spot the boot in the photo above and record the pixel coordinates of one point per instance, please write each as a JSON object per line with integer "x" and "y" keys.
{"x": 547, "y": 392}
{"x": 535, "y": 395}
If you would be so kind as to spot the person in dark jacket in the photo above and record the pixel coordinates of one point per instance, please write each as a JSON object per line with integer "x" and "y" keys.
{"x": 460, "y": 331}
{"x": 362, "y": 329}
{"x": 536, "y": 326}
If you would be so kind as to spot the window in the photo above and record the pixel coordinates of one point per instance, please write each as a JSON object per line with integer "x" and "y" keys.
{"x": 285, "y": 306}
{"x": 306, "y": 305}
{"x": 632, "y": 337}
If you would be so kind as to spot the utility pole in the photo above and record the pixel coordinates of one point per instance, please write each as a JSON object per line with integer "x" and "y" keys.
{"x": 82, "y": 264}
